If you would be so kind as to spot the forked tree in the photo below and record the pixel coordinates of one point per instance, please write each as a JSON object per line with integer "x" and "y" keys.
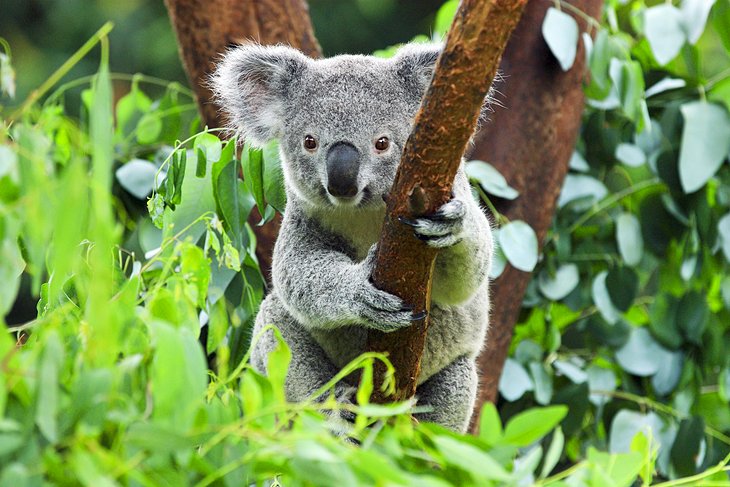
{"x": 530, "y": 142}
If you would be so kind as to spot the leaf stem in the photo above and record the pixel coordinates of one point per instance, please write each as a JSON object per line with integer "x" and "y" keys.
{"x": 63, "y": 69}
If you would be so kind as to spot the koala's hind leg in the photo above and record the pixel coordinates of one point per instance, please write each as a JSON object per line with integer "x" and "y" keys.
{"x": 309, "y": 369}
{"x": 450, "y": 394}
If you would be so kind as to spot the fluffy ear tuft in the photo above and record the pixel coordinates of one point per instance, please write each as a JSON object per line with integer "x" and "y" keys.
{"x": 415, "y": 63}
{"x": 250, "y": 85}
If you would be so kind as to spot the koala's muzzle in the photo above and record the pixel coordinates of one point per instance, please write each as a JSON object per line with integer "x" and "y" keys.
{"x": 343, "y": 164}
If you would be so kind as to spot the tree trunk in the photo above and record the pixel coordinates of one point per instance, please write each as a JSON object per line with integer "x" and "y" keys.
{"x": 530, "y": 143}
{"x": 205, "y": 29}
{"x": 431, "y": 157}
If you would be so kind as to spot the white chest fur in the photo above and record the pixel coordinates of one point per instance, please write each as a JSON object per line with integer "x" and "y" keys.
{"x": 360, "y": 227}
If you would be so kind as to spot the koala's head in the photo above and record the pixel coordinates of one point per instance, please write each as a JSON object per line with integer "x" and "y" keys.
{"x": 341, "y": 122}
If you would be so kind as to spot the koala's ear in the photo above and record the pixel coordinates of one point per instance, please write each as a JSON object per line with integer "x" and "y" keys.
{"x": 251, "y": 84}
{"x": 415, "y": 63}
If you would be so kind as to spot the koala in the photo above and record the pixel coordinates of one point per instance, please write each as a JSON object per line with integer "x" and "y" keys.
{"x": 342, "y": 123}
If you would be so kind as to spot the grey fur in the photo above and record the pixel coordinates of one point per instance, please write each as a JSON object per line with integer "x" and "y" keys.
{"x": 322, "y": 299}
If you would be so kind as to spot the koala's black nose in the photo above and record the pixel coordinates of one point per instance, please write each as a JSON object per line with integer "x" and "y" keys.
{"x": 343, "y": 164}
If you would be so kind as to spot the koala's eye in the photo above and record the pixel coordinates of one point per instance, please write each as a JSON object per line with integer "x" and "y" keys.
{"x": 310, "y": 143}
{"x": 382, "y": 144}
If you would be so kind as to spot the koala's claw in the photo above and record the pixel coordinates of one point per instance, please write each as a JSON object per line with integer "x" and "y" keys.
{"x": 441, "y": 228}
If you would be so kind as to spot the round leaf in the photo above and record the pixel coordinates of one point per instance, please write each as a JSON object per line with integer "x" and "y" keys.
{"x": 622, "y": 283}
{"x": 705, "y": 143}
{"x": 628, "y": 236}
{"x": 137, "y": 177}
{"x": 600, "y": 379}
{"x": 642, "y": 355}
{"x": 149, "y": 128}
{"x": 723, "y": 231}
{"x": 602, "y": 299}
{"x": 556, "y": 287}
{"x": 694, "y": 17}
{"x": 667, "y": 377}
{"x": 490, "y": 179}
{"x": 580, "y": 186}
{"x": 630, "y": 155}
{"x": 514, "y": 381}
{"x": 519, "y": 244}
{"x": 663, "y": 29}
{"x": 560, "y": 31}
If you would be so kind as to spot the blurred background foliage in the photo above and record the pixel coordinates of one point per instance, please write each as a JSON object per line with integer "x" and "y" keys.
{"x": 44, "y": 33}
{"x": 626, "y": 321}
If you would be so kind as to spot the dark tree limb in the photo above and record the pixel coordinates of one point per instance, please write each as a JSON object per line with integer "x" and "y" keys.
{"x": 204, "y": 30}
{"x": 530, "y": 143}
{"x": 431, "y": 157}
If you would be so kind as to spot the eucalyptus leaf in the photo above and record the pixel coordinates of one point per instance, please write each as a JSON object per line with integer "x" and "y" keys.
{"x": 581, "y": 187}
{"x": 137, "y": 177}
{"x": 490, "y": 179}
{"x": 629, "y": 239}
{"x": 514, "y": 381}
{"x": 630, "y": 155}
{"x": 642, "y": 355}
{"x": 557, "y": 287}
{"x": 705, "y": 143}
{"x": 694, "y": 17}
{"x": 664, "y": 31}
{"x": 723, "y": 231}
{"x": 602, "y": 299}
{"x": 519, "y": 244}
{"x": 560, "y": 31}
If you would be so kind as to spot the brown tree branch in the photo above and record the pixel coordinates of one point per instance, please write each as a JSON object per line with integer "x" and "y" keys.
{"x": 530, "y": 143}
{"x": 431, "y": 157}
{"x": 204, "y": 30}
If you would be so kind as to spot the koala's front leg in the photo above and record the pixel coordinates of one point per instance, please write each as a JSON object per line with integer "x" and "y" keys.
{"x": 450, "y": 395}
{"x": 324, "y": 288}
{"x": 461, "y": 230}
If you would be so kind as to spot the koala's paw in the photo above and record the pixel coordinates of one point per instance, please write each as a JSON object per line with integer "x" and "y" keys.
{"x": 378, "y": 309}
{"x": 383, "y": 311}
{"x": 442, "y": 228}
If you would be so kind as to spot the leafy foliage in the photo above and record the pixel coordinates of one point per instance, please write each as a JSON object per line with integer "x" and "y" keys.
{"x": 130, "y": 227}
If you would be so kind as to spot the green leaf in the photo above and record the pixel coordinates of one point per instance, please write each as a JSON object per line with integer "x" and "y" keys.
{"x": 278, "y": 365}
{"x": 149, "y": 128}
{"x": 642, "y": 355}
{"x": 560, "y": 31}
{"x": 622, "y": 284}
{"x": 137, "y": 177}
{"x": 687, "y": 445}
{"x": 600, "y": 379}
{"x": 723, "y": 231}
{"x": 705, "y": 143}
{"x": 553, "y": 454}
{"x": 11, "y": 264}
{"x": 529, "y": 426}
{"x": 631, "y": 91}
{"x": 599, "y": 62}
{"x": 602, "y": 299}
{"x": 470, "y": 459}
{"x": 490, "y": 179}
{"x": 444, "y": 17}
{"x": 210, "y": 145}
{"x": 543, "y": 379}
{"x": 514, "y": 381}
{"x": 490, "y": 425}
{"x": 519, "y": 244}
{"x": 253, "y": 174}
{"x": 630, "y": 155}
{"x": 201, "y": 165}
{"x": 178, "y": 376}
{"x": 274, "y": 192}
{"x": 48, "y": 400}
{"x": 557, "y": 287}
{"x": 629, "y": 239}
{"x": 581, "y": 187}
{"x": 663, "y": 30}
{"x": 694, "y": 17}
{"x": 668, "y": 375}
{"x": 692, "y": 316}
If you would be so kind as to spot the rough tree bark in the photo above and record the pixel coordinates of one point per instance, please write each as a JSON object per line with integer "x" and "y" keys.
{"x": 432, "y": 155}
{"x": 530, "y": 143}
{"x": 204, "y": 30}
